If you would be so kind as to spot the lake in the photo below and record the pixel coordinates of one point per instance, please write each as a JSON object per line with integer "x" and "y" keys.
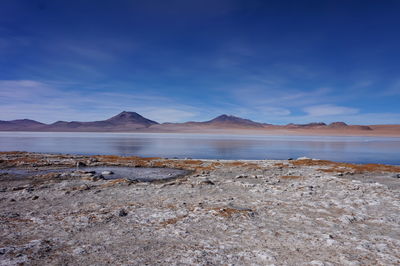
{"x": 202, "y": 146}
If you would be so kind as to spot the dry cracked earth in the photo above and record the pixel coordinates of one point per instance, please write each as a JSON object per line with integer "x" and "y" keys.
{"x": 292, "y": 212}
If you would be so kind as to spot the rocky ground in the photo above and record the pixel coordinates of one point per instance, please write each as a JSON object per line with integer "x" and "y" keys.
{"x": 292, "y": 212}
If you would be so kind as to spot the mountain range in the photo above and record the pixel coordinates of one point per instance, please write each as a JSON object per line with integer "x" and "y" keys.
{"x": 134, "y": 122}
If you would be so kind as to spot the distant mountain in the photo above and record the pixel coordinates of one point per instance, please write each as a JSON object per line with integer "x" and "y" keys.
{"x": 309, "y": 125}
{"x": 20, "y": 123}
{"x": 125, "y": 118}
{"x": 321, "y": 125}
{"x": 219, "y": 122}
{"x": 134, "y": 122}
{"x": 343, "y": 125}
{"x": 338, "y": 125}
{"x": 125, "y": 121}
{"x": 230, "y": 120}
{"x": 222, "y": 122}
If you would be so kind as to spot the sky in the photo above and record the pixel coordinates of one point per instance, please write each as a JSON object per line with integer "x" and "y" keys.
{"x": 191, "y": 60}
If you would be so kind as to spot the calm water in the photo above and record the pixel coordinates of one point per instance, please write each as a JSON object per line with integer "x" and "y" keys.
{"x": 346, "y": 149}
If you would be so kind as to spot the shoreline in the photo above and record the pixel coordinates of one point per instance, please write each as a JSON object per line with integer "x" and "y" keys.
{"x": 198, "y": 159}
{"x": 246, "y": 132}
{"x": 224, "y": 211}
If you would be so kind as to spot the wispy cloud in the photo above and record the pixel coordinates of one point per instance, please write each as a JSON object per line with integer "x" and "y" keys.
{"x": 93, "y": 53}
{"x": 393, "y": 90}
{"x": 162, "y": 114}
{"x": 273, "y": 95}
{"x": 329, "y": 110}
{"x": 273, "y": 111}
{"x": 46, "y": 103}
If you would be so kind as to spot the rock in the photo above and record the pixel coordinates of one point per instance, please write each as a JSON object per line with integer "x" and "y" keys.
{"x": 82, "y": 187}
{"x": 91, "y": 160}
{"x": 241, "y": 176}
{"x": 48, "y": 176}
{"x": 92, "y": 178}
{"x": 80, "y": 164}
{"x": 11, "y": 215}
{"x": 18, "y": 188}
{"x": 207, "y": 182}
{"x": 231, "y": 205}
{"x": 122, "y": 213}
{"x": 168, "y": 184}
{"x": 29, "y": 189}
{"x": 107, "y": 172}
{"x": 77, "y": 173}
{"x": 35, "y": 197}
{"x": 89, "y": 172}
{"x": 79, "y": 251}
{"x": 397, "y": 176}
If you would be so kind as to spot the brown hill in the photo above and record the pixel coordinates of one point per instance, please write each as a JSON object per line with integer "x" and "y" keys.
{"x": 20, "y": 123}
{"x": 221, "y": 122}
{"x": 232, "y": 121}
{"x": 124, "y": 121}
{"x": 125, "y": 118}
{"x": 309, "y": 125}
{"x": 343, "y": 125}
{"x": 338, "y": 125}
{"x": 133, "y": 122}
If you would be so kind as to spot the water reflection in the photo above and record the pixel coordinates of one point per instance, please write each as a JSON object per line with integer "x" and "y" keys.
{"x": 349, "y": 149}
{"x": 124, "y": 146}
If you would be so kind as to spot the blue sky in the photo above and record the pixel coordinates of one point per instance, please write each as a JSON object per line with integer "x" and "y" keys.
{"x": 269, "y": 61}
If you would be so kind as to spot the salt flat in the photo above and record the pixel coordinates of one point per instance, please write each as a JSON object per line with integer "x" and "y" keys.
{"x": 265, "y": 212}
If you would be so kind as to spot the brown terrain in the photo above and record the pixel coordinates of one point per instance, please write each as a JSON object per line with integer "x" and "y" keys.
{"x": 133, "y": 122}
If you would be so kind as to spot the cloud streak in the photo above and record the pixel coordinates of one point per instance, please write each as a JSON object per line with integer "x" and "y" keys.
{"x": 51, "y": 101}
{"x": 45, "y": 103}
{"x": 329, "y": 110}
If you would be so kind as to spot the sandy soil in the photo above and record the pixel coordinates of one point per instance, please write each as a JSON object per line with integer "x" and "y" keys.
{"x": 298, "y": 212}
{"x": 377, "y": 130}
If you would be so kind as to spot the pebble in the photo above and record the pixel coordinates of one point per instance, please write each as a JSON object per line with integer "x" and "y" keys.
{"x": 79, "y": 251}
{"x": 122, "y": 213}
{"x": 83, "y": 187}
{"x": 206, "y": 182}
{"x": 79, "y": 164}
{"x": 89, "y": 172}
{"x": 107, "y": 173}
